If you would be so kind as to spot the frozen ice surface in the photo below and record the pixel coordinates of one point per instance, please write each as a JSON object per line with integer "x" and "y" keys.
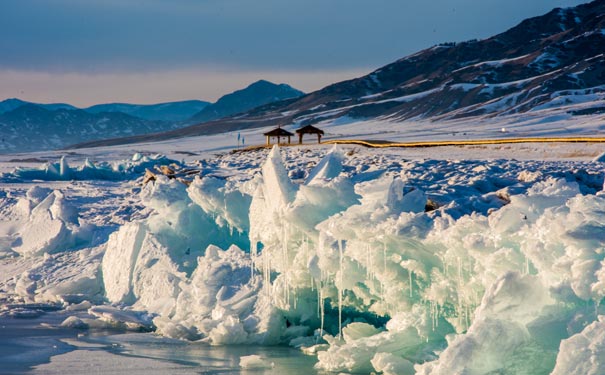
{"x": 373, "y": 262}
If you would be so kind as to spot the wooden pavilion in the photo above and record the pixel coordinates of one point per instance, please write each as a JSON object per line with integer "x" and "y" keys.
{"x": 278, "y": 133}
{"x": 309, "y": 129}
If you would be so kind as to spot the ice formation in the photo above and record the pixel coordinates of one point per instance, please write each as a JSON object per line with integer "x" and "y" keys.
{"x": 501, "y": 273}
{"x": 61, "y": 171}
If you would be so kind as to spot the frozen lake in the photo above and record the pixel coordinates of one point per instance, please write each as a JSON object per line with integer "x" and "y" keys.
{"x": 34, "y": 346}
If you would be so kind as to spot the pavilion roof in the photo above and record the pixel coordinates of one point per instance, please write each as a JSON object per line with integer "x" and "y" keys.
{"x": 309, "y": 129}
{"x": 278, "y": 132}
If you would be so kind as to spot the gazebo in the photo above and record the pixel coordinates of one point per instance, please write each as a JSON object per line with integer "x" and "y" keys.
{"x": 309, "y": 129}
{"x": 277, "y": 133}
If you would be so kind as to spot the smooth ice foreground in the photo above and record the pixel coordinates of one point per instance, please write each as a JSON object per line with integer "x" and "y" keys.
{"x": 422, "y": 268}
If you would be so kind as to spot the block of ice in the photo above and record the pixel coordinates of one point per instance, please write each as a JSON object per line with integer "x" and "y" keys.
{"x": 51, "y": 224}
{"x": 584, "y": 352}
{"x": 254, "y": 362}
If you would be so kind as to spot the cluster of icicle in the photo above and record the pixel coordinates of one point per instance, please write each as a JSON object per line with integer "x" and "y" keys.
{"x": 334, "y": 258}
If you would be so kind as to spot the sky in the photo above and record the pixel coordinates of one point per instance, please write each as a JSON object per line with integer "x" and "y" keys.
{"x": 86, "y": 52}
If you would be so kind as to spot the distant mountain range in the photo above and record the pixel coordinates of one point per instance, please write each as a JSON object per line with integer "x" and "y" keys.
{"x": 543, "y": 62}
{"x": 31, "y": 127}
{"x": 26, "y": 126}
{"x": 173, "y": 111}
{"x": 12, "y": 104}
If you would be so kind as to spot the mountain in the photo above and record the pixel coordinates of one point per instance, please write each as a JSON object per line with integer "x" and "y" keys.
{"x": 31, "y": 127}
{"x": 13, "y": 103}
{"x": 172, "y": 111}
{"x": 255, "y": 95}
{"x": 26, "y": 126}
{"x": 549, "y": 61}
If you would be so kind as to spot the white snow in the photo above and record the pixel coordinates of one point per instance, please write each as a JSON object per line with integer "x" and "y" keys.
{"x": 332, "y": 251}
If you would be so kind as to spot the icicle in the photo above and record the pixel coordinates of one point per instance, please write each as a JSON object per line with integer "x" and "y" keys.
{"x": 253, "y": 252}
{"x": 384, "y": 256}
{"x": 340, "y": 289}
{"x": 411, "y": 287}
{"x": 460, "y": 291}
{"x": 321, "y": 307}
{"x": 371, "y": 262}
{"x": 319, "y": 301}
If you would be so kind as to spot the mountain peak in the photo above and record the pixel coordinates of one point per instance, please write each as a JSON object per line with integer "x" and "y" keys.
{"x": 256, "y": 94}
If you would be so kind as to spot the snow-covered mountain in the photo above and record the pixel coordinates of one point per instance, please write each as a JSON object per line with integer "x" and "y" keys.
{"x": 30, "y": 127}
{"x": 172, "y": 111}
{"x": 255, "y": 95}
{"x": 551, "y": 61}
{"x": 544, "y": 61}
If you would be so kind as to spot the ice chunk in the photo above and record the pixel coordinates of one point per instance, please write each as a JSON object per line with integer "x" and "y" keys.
{"x": 61, "y": 171}
{"x": 355, "y": 331}
{"x": 405, "y": 199}
{"x": 118, "y": 263}
{"x": 499, "y": 331}
{"x": 129, "y": 319}
{"x": 52, "y": 225}
{"x": 276, "y": 183}
{"x": 225, "y": 202}
{"x": 254, "y": 362}
{"x": 390, "y": 364}
{"x": 229, "y": 331}
{"x": 328, "y": 168}
{"x": 583, "y": 353}
{"x": 74, "y": 322}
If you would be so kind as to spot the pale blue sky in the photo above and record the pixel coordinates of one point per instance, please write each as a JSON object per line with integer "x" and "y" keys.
{"x": 89, "y": 51}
